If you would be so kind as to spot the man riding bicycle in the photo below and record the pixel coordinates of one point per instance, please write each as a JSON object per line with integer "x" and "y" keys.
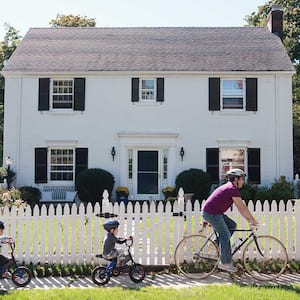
{"x": 215, "y": 207}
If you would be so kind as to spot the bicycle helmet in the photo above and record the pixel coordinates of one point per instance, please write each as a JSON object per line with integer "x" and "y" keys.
{"x": 2, "y": 225}
{"x": 111, "y": 225}
{"x": 231, "y": 174}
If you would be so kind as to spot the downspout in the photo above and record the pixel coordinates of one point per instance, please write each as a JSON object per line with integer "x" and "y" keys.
{"x": 19, "y": 126}
{"x": 277, "y": 133}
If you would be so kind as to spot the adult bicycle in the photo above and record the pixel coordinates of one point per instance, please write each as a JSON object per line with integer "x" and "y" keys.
{"x": 264, "y": 257}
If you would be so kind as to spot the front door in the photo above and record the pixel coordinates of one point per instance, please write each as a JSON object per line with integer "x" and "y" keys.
{"x": 147, "y": 173}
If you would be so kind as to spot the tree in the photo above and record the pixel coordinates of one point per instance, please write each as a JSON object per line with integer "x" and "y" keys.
{"x": 291, "y": 41}
{"x": 7, "y": 47}
{"x": 72, "y": 21}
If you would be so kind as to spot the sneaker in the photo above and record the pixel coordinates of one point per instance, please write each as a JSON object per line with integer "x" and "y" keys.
{"x": 227, "y": 267}
{"x": 6, "y": 275}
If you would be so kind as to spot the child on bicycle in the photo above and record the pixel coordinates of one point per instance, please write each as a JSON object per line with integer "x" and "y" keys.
{"x": 4, "y": 261}
{"x": 217, "y": 204}
{"x": 109, "y": 250}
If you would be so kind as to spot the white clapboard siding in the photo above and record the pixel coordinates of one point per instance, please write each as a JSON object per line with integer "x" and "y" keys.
{"x": 71, "y": 234}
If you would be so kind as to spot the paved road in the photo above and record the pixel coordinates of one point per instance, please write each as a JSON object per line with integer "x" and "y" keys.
{"x": 161, "y": 281}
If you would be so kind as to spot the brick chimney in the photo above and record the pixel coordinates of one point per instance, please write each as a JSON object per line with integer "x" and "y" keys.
{"x": 275, "y": 21}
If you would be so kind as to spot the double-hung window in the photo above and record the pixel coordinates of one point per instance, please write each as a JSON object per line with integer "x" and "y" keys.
{"x": 233, "y": 94}
{"x": 62, "y": 94}
{"x": 62, "y": 164}
{"x": 231, "y": 158}
{"x": 148, "y": 90}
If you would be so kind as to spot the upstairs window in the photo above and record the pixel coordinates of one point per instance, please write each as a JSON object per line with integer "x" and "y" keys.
{"x": 61, "y": 164}
{"x": 62, "y": 94}
{"x": 233, "y": 94}
{"x": 147, "y": 89}
{"x": 57, "y": 94}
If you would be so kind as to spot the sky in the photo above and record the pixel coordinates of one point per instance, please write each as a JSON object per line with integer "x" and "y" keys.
{"x": 23, "y": 14}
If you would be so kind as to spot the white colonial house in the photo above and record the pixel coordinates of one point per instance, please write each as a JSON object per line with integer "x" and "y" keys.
{"x": 148, "y": 103}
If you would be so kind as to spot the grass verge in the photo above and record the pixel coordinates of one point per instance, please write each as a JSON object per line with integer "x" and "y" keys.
{"x": 209, "y": 292}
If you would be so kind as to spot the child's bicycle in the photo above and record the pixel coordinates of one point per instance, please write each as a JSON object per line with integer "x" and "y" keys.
{"x": 21, "y": 276}
{"x": 102, "y": 274}
{"x": 264, "y": 257}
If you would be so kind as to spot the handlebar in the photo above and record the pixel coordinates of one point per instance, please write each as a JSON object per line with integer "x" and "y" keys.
{"x": 129, "y": 241}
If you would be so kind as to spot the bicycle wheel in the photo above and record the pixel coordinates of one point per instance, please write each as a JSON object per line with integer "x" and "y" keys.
{"x": 196, "y": 256}
{"x": 21, "y": 276}
{"x": 265, "y": 258}
{"x": 100, "y": 276}
{"x": 137, "y": 273}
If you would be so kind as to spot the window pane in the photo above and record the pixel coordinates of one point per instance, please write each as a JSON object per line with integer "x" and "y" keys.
{"x": 233, "y": 87}
{"x": 233, "y": 103}
{"x": 62, "y": 94}
{"x": 148, "y": 84}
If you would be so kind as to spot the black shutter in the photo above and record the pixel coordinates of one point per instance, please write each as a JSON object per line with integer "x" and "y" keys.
{"x": 1, "y": 96}
{"x": 212, "y": 164}
{"x": 79, "y": 93}
{"x": 251, "y": 94}
{"x": 135, "y": 89}
{"x": 253, "y": 165}
{"x": 44, "y": 93}
{"x": 160, "y": 89}
{"x": 214, "y": 93}
{"x": 40, "y": 175}
{"x": 81, "y": 160}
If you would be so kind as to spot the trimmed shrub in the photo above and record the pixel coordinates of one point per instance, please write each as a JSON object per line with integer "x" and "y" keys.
{"x": 194, "y": 181}
{"x": 282, "y": 189}
{"x": 30, "y": 195}
{"x": 91, "y": 184}
{"x": 263, "y": 193}
{"x": 248, "y": 192}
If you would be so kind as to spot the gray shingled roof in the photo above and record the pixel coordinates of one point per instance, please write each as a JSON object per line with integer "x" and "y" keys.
{"x": 149, "y": 49}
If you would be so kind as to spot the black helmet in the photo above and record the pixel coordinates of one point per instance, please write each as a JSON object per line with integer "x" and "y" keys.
{"x": 235, "y": 173}
{"x": 111, "y": 225}
{"x": 2, "y": 225}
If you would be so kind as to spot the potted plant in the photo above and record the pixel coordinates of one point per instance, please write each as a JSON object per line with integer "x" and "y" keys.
{"x": 168, "y": 191}
{"x": 122, "y": 193}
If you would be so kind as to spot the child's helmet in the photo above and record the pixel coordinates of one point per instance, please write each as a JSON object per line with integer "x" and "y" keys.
{"x": 111, "y": 225}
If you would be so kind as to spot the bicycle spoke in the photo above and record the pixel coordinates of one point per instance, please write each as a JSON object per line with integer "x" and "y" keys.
{"x": 196, "y": 256}
{"x": 266, "y": 258}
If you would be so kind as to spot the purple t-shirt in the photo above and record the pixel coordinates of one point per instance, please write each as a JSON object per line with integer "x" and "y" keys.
{"x": 221, "y": 199}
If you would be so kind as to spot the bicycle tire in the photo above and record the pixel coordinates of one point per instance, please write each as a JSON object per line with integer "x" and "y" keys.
{"x": 137, "y": 273}
{"x": 21, "y": 276}
{"x": 196, "y": 256}
{"x": 100, "y": 276}
{"x": 273, "y": 262}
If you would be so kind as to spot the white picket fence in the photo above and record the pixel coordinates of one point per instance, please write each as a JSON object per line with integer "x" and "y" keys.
{"x": 74, "y": 235}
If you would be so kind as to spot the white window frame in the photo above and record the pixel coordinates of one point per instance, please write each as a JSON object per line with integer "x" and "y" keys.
{"x": 237, "y": 96}
{"x": 141, "y": 90}
{"x": 245, "y": 167}
{"x": 52, "y": 94}
{"x": 50, "y": 165}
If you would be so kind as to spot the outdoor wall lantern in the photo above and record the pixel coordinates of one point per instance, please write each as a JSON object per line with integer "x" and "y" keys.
{"x": 113, "y": 153}
{"x": 181, "y": 153}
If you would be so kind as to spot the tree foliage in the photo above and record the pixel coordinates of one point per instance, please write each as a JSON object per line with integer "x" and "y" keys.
{"x": 72, "y": 21}
{"x": 291, "y": 41}
{"x": 7, "y": 47}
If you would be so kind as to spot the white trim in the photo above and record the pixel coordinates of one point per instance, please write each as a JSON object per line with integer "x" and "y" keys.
{"x": 61, "y": 143}
{"x": 234, "y": 143}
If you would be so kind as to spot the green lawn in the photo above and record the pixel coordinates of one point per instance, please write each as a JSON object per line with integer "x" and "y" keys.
{"x": 230, "y": 292}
